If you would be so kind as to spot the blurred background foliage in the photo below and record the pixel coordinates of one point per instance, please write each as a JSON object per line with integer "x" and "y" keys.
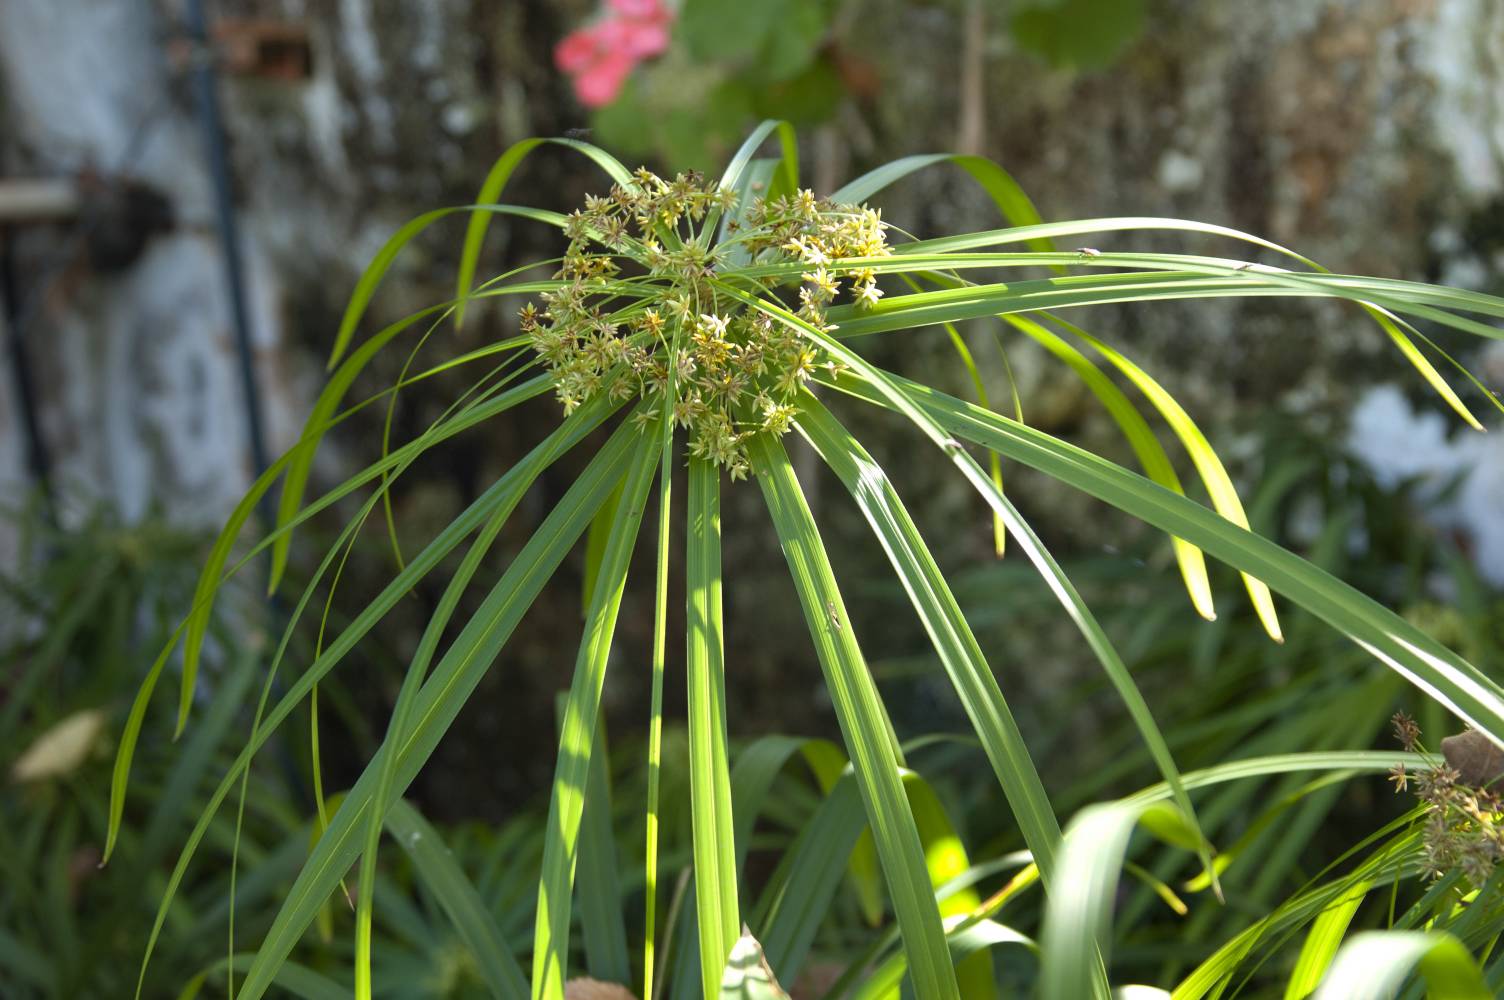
{"x": 1098, "y": 106}
{"x": 1222, "y": 691}
{"x": 730, "y": 65}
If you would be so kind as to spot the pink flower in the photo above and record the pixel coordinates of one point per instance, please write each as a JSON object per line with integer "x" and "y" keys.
{"x": 601, "y": 57}
{"x": 642, "y": 10}
{"x": 578, "y": 51}
{"x": 639, "y": 39}
{"x": 600, "y": 84}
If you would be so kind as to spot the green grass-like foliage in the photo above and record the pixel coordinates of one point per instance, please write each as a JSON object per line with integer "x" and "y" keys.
{"x": 703, "y": 320}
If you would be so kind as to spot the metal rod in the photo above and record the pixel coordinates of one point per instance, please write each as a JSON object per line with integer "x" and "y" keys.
{"x": 38, "y": 462}
{"x": 206, "y": 94}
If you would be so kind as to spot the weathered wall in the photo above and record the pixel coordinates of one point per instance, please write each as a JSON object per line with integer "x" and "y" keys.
{"x": 134, "y": 366}
{"x": 1362, "y": 133}
{"x": 1365, "y": 133}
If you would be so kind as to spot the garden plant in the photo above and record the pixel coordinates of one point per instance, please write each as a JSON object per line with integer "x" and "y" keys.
{"x": 703, "y": 323}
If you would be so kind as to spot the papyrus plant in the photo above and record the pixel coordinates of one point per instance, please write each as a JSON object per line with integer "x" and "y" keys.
{"x": 704, "y": 321}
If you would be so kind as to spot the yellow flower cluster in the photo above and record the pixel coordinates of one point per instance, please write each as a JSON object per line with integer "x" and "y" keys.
{"x": 819, "y": 233}
{"x": 645, "y": 307}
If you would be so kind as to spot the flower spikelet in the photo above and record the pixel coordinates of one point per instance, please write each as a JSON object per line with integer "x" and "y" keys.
{"x": 644, "y": 305}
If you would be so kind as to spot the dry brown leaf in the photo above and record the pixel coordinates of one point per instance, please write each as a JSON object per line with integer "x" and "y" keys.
{"x": 585, "y": 988}
{"x": 60, "y": 750}
{"x": 1475, "y": 758}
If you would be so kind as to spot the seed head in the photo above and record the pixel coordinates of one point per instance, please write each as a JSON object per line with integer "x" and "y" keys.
{"x": 642, "y": 309}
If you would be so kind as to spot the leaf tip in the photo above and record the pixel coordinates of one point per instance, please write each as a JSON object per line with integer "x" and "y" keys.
{"x": 279, "y": 565}
{"x": 1211, "y": 873}
{"x": 1263, "y": 606}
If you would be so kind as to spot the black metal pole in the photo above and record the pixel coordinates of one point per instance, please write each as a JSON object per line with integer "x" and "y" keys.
{"x": 206, "y": 94}
{"x": 37, "y": 461}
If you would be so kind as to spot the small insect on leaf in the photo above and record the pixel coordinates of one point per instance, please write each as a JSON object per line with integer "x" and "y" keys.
{"x": 1088, "y": 251}
{"x": 835, "y": 617}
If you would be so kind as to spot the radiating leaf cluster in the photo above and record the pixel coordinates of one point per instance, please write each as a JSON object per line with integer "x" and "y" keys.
{"x": 698, "y": 321}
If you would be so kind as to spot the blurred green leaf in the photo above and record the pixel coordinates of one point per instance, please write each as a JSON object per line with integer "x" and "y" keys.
{"x": 1166, "y": 822}
{"x": 806, "y": 98}
{"x": 1377, "y": 963}
{"x": 1326, "y": 934}
{"x": 770, "y": 40}
{"x": 1080, "y": 34}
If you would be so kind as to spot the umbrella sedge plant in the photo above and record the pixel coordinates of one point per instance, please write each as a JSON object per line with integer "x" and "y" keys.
{"x": 703, "y": 321}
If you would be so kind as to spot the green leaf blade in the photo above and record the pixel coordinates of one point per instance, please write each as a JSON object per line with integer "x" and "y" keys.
{"x": 581, "y": 713}
{"x": 863, "y": 724}
{"x": 712, "y": 824}
{"x": 951, "y": 635}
